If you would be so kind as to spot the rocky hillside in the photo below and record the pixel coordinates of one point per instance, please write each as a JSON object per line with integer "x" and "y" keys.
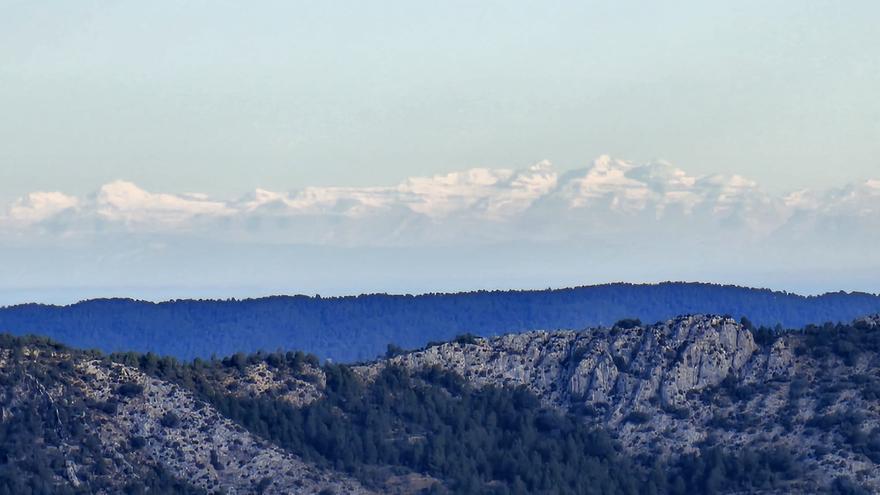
{"x": 666, "y": 389}
{"x": 696, "y": 404}
{"x": 109, "y": 428}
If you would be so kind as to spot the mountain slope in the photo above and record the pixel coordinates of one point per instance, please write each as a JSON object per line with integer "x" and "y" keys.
{"x": 107, "y": 428}
{"x": 695, "y": 404}
{"x": 359, "y": 328}
{"x": 667, "y": 389}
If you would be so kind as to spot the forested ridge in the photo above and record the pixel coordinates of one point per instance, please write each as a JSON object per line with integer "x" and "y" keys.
{"x": 424, "y": 431}
{"x": 347, "y": 329}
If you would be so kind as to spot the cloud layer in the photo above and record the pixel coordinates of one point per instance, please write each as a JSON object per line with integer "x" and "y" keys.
{"x": 609, "y": 198}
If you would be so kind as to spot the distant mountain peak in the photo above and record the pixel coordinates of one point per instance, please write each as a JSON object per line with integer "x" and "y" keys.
{"x": 453, "y": 201}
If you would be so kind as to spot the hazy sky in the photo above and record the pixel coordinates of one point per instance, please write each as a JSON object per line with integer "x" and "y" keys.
{"x": 724, "y": 141}
{"x": 222, "y": 97}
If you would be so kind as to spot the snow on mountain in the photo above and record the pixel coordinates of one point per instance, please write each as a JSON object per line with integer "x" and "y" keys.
{"x": 124, "y": 202}
{"x": 36, "y": 207}
{"x": 609, "y": 196}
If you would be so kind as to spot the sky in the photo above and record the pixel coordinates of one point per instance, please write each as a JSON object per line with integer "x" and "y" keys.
{"x": 137, "y": 136}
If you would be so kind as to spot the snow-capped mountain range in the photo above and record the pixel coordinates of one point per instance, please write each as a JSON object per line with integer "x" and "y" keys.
{"x": 609, "y": 197}
{"x": 480, "y": 228}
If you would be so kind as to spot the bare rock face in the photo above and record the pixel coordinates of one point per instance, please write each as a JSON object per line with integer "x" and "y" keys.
{"x": 628, "y": 369}
{"x": 594, "y": 377}
{"x": 706, "y": 352}
{"x": 779, "y": 360}
{"x": 664, "y": 389}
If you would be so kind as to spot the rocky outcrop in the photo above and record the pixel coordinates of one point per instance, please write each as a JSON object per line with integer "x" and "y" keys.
{"x": 189, "y": 438}
{"x": 871, "y": 321}
{"x": 627, "y": 369}
{"x": 667, "y": 388}
{"x": 707, "y": 351}
{"x": 132, "y": 422}
{"x": 261, "y": 380}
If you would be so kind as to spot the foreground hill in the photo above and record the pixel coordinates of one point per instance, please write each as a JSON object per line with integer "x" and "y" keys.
{"x": 75, "y": 423}
{"x": 347, "y": 329}
{"x": 695, "y": 404}
{"x": 812, "y": 397}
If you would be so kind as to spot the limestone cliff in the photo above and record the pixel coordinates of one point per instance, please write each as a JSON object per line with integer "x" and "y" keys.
{"x": 666, "y": 389}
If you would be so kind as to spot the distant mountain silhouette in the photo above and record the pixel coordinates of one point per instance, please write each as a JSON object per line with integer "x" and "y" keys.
{"x": 360, "y": 327}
